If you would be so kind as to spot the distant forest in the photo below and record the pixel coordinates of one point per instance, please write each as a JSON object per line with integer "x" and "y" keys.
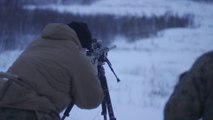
{"x": 17, "y": 24}
{"x": 43, "y": 2}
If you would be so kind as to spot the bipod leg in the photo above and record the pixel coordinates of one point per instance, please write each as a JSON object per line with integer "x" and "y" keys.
{"x": 106, "y": 105}
{"x": 104, "y": 110}
{"x": 109, "y": 106}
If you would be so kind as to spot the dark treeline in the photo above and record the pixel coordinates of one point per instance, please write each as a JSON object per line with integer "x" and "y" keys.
{"x": 44, "y": 2}
{"x": 16, "y": 22}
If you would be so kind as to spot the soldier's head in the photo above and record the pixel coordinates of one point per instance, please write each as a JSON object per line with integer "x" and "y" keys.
{"x": 83, "y": 33}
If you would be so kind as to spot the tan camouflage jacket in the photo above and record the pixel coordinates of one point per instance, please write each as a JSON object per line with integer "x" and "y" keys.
{"x": 53, "y": 69}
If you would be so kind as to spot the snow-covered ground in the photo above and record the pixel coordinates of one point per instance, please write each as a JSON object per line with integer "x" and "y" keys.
{"x": 148, "y": 68}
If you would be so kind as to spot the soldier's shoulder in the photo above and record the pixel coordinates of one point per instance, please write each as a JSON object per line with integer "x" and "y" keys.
{"x": 205, "y": 58}
{"x": 204, "y": 61}
{"x": 208, "y": 55}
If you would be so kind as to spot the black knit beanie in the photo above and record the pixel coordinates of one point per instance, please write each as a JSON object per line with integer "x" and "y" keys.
{"x": 83, "y": 33}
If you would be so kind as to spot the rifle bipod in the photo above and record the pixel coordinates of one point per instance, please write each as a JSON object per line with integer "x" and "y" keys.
{"x": 106, "y": 104}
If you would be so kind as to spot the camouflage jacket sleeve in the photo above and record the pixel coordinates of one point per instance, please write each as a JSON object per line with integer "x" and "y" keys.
{"x": 193, "y": 95}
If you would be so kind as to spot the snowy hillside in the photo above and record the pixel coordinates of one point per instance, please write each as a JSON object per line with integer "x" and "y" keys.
{"x": 148, "y": 68}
